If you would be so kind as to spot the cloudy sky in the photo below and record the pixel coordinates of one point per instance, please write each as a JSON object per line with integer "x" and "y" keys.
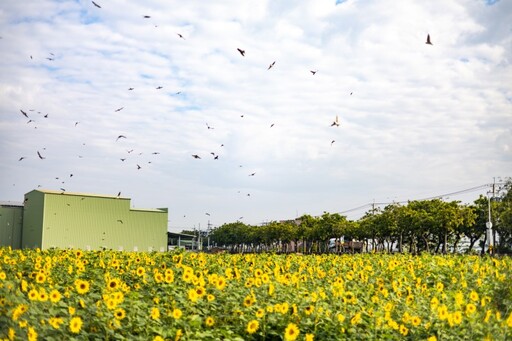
{"x": 415, "y": 120}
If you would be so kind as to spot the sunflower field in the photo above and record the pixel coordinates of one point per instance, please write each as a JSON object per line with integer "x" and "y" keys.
{"x": 102, "y": 295}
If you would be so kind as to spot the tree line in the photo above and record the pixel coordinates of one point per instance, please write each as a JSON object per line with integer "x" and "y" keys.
{"x": 434, "y": 226}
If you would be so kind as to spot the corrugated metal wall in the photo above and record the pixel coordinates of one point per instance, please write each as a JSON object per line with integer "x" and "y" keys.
{"x": 93, "y": 222}
{"x": 31, "y": 236}
{"x": 11, "y": 223}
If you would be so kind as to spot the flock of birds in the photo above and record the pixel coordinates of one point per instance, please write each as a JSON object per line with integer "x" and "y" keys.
{"x": 335, "y": 123}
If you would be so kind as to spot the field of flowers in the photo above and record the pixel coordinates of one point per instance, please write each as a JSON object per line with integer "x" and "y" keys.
{"x": 74, "y": 294}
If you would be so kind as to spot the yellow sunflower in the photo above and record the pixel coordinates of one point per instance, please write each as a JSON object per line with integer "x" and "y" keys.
{"x": 155, "y": 313}
{"x": 253, "y": 326}
{"x": 55, "y": 296}
{"x": 209, "y": 321}
{"x": 31, "y": 334}
{"x": 120, "y": 314}
{"x": 81, "y": 286}
{"x": 291, "y": 332}
{"x": 176, "y": 313}
{"x": 75, "y": 325}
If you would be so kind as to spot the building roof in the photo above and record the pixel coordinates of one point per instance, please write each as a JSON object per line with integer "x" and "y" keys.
{"x": 175, "y": 234}
{"x": 11, "y": 203}
{"x": 48, "y": 191}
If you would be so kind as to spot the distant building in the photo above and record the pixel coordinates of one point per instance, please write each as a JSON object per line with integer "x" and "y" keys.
{"x": 11, "y": 220}
{"x": 90, "y": 222}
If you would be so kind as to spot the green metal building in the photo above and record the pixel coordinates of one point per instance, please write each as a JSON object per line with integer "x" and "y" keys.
{"x": 90, "y": 221}
{"x": 11, "y": 220}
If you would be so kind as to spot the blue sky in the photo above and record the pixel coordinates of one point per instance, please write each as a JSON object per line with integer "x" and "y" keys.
{"x": 416, "y": 120}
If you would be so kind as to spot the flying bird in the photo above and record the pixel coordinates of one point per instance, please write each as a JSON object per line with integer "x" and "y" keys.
{"x": 159, "y": 87}
{"x": 130, "y": 89}
{"x": 336, "y": 122}
{"x": 45, "y": 116}
{"x": 313, "y": 72}
{"x": 50, "y": 59}
{"x": 21, "y": 158}
{"x": 195, "y": 156}
{"x": 207, "y": 213}
{"x": 30, "y": 121}
{"x": 119, "y": 221}
{"x": 95, "y": 4}
{"x": 147, "y": 16}
{"x": 428, "y": 40}
{"x": 138, "y": 167}
{"x": 209, "y": 127}
{"x": 122, "y": 159}
{"x": 155, "y": 153}
{"x": 242, "y": 52}
{"x": 117, "y": 110}
{"x": 332, "y": 142}
{"x": 40, "y": 156}
{"x": 129, "y": 151}
{"x": 24, "y": 113}
{"x": 181, "y": 36}
{"x": 252, "y": 174}
{"x": 271, "y": 125}
{"x": 270, "y": 66}
{"x": 76, "y": 123}
{"x": 216, "y": 157}
{"x": 120, "y": 137}
{"x": 118, "y": 194}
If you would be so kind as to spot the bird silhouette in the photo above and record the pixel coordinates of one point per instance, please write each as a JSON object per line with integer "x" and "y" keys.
{"x": 428, "y": 40}
{"x": 122, "y": 159}
{"x": 336, "y": 122}
{"x": 207, "y": 213}
{"x": 155, "y": 153}
{"x": 130, "y": 89}
{"x": 146, "y": 16}
{"x": 24, "y": 113}
{"x": 118, "y": 194}
{"x": 45, "y": 116}
{"x": 252, "y": 174}
{"x": 159, "y": 87}
{"x": 40, "y": 156}
{"x": 242, "y": 52}
{"x": 209, "y": 127}
{"x": 270, "y": 66}
{"x": 120, "y": 221}
{"x": 332, "y": 142}
{"x": 313, "y": 72}
{"x": 138, "y": 167}
{"x": 120, "y": 137}
{"x": 271, "y": 125}
{"x": 95, "y": 4}
{"x": 195, "y": 156}
{"x": 180, "y": 35}
{"x": 216, "y": 157}
{"x": 21, "y": 158}
{"x": 117, "y": 110}
{"x": 76, "y": 123}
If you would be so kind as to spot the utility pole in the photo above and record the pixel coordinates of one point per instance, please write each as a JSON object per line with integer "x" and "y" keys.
{"x": 209, "y": 228}
{"x": 490, "y": 244}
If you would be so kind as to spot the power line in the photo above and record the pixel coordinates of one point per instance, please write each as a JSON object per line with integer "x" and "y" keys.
{"x": 467, "y": 190}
